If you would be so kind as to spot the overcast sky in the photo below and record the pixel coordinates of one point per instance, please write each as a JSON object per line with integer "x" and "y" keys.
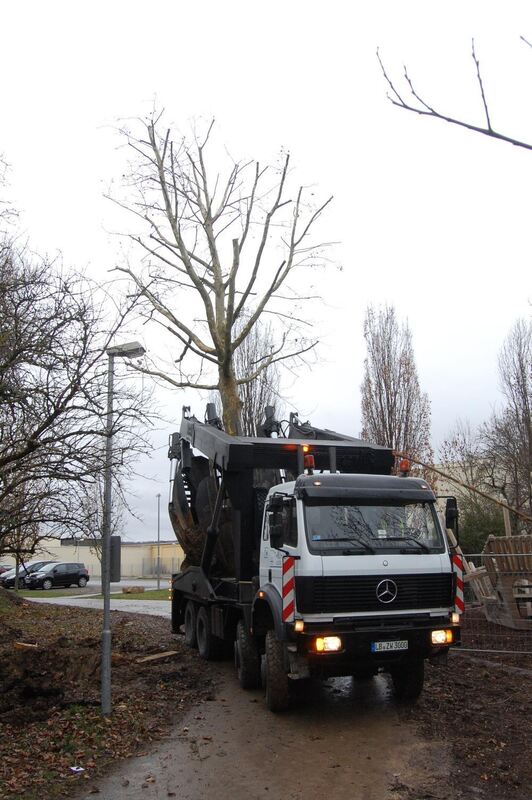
{"x": 433, "y": 219}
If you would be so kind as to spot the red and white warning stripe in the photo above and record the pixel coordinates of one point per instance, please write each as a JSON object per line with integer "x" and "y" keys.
{"x": 458, "y": 568}
{"x": 288, "y": 589}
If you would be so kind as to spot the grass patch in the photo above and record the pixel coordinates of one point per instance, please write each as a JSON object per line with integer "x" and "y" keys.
{"x": 32, "y": 593}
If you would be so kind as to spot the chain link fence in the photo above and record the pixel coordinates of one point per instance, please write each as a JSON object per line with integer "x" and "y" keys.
{"x": 498, "y": 603}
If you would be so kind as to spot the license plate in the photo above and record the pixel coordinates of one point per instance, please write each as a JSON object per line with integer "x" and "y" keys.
{"x": 384, "y": 647}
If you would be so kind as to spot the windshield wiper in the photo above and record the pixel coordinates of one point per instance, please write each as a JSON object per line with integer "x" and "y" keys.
{"x": 422, "y": 545}
{"x": 353, "y": 539}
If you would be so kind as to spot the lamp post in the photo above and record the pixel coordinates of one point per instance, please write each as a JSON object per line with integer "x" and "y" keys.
{"x": 128, "y": 350}
{"x": 158, "y": 541}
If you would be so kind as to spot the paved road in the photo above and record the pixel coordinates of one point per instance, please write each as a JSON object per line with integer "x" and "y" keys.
{"x": 155, "y": 607}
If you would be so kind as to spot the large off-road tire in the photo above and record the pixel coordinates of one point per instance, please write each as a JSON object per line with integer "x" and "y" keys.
{"x": 277, "y": 681}
{"x": 210, "y": 647}
{"x": 247, "y": 658}
{"x": 191, "y": 639}
{"x": 408, "y": 680}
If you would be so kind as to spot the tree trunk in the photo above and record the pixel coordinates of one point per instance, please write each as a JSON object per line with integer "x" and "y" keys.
{"x": 17, "y": 571}
{"x": 231, "y": 405}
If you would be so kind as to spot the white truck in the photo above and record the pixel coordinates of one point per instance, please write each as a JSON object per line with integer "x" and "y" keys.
{"x": 340, "y": 568}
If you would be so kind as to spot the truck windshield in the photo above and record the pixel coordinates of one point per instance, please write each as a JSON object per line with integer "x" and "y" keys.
{"x": 354, "y": 529}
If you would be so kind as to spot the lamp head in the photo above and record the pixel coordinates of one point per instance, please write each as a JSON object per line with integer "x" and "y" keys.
{"x": 127, "y": 350}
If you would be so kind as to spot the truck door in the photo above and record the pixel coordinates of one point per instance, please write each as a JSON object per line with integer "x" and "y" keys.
{"x": 271, "y": 559}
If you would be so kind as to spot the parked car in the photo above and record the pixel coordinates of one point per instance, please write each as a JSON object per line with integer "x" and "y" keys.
{"x": 5, "y": 568}
{"x": 7, "y": 580}
{"x": 58, "y": 574}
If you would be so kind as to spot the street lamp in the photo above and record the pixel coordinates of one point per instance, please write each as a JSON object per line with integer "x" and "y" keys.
{"x": 158, "y": 540}
{"x": 128, "y": 350}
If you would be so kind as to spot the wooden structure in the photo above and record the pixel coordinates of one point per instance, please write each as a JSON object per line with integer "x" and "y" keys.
{"x": 503, "y": 584}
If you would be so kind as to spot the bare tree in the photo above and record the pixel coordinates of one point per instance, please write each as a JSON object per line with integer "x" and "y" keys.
{"x": 395, "y": 412}
{"x": 508, "y": 435}
{"x": 409, "y": 98}
{"x": 497, "y": 458}
{"x": 90, "y": 514}
{"x": 53, "y": 389}
{"x": 221, "y": 252}
{"x": 465, "y": 455}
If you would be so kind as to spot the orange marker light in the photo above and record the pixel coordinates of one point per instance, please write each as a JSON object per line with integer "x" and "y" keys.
{"x": 404, "y": 465}
{"x": 306, "y": 448}
{"x": 309, "y": 462}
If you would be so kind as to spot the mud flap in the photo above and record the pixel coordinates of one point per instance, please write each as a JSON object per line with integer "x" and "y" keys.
{"x": 298, "y": 667}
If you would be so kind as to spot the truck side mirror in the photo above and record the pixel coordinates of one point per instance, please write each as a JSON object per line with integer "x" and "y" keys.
{"x": 451, "y": 515}
{"x": 275, "y": 503}
{"x": 276, "y": 535}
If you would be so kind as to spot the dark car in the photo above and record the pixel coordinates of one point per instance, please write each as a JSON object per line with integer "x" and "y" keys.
{"x": 5, "y": 568}
{"x": 58, "y": 574}
{"x": 7, "y": 580}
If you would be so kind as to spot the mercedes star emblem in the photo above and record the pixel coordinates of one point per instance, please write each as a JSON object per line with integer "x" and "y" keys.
{"x": 386, "y": 591}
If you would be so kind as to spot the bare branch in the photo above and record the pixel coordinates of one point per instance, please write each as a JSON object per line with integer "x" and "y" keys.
{"x": 481, "y": 85}
{"x": 425, "y": 110}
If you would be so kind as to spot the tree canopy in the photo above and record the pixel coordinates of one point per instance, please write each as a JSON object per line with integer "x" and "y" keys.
{"x": 221, "y": 251}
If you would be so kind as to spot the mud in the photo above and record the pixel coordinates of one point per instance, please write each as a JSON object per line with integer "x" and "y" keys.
{"x": 340, "y": 739}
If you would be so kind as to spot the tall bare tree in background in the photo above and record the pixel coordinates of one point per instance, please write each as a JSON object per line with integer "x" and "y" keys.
{"x": 221, "y": 252}
{"x": 496, "y": 458}
{"x": 464, "y": 455}
{"x": 508, "y": 434}
{"x": 395, "y": 412}
{"x": 265, "y": 389}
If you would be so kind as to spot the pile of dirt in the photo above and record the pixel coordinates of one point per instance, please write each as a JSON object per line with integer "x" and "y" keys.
{"x": 36, "y": 676}
{"x": 9, "y": 599}
{"x": 482, "y": 708}
{"x": 50, "y": 718}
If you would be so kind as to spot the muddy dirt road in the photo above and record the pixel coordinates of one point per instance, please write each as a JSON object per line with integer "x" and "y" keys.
{"x": 340, "y": 740}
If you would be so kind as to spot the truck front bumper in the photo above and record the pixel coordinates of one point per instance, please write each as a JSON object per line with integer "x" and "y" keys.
{"x": 371, "y": 646}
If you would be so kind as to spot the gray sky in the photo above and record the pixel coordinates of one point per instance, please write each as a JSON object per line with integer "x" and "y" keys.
{"x": 430, "y": 218}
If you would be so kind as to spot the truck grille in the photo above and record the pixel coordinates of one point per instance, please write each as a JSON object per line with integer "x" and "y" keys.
{"x": 341, "y": 594}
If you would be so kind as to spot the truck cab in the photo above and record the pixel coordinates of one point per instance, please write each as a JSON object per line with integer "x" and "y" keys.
{"x": 358, "y": 569}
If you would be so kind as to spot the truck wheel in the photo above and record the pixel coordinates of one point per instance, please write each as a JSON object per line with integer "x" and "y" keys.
{"x": 247, "y": 658}
{"x": 408, "y": 680}
{"x": 277, "y": 691}
{"x": 210, "y": 647}
{"x": 190, "y": 625}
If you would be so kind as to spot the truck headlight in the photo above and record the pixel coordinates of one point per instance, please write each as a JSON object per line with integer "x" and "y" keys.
{"x": 442, "y": 637}
{"x": 328, "y": 644}
{"x": 455, "y": 618}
